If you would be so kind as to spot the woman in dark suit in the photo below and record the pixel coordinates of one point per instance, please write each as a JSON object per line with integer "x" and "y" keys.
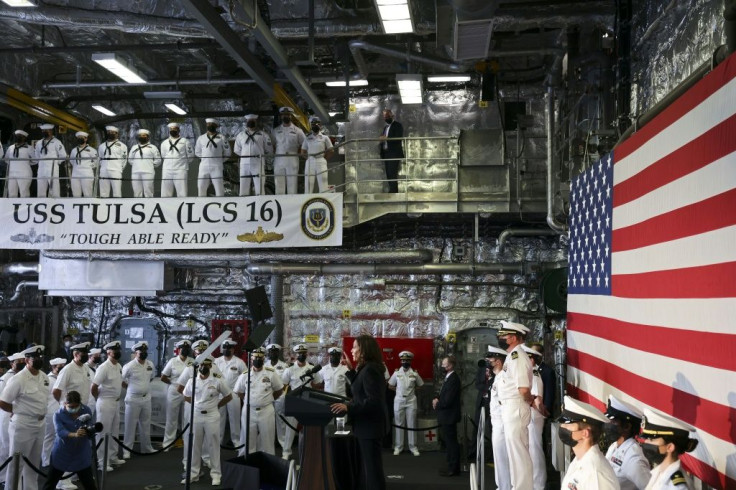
{"x": 367, "y": 409}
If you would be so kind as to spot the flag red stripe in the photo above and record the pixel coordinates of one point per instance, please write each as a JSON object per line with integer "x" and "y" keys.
{"x": 707, "y": 281}
{"x": 710, "y": 84}
{"x": 710, "y": 214}
{"x": 698, "y": 153}
{"x": 705, "y": 472}
{"x": 700, "y": 412}
{"x": 712, "y": 349}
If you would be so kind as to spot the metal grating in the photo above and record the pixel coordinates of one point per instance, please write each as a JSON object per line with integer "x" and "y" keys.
{"x": 472, "y": 39}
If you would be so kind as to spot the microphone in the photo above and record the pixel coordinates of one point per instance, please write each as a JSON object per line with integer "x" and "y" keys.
{"x": 311, "y": 372}
{"x": 85, "y": 417}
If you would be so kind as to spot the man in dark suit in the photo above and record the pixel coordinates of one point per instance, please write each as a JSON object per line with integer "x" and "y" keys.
{"x": 447, "y": 405}
{"x": 391, "y": 149}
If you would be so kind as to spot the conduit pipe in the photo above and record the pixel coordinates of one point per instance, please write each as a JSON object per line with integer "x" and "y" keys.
{"x": 386, "y": 269}
{"x": 21, "y": 286}
{"x": 516, "y": 232}
{"x": 556, "y": 226}
{"x": 152, "y": 83}
{"x": 20, "y": 268}
{"x": 109, "y": 48}
{"x": 729, "y": 24}
{"x": 358, "y": 45}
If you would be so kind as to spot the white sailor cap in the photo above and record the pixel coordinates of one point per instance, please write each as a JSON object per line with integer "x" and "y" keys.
{"x": 16, "y": 357}
{"x": 251, "y": 116}
{"x": 94, "y": 351}
{"x": 576, "y": 411}
{"x": 508, "y": 328}
{"x": 300, "y": 348}
{"x": 314, "y": 119}
{"x": 81, "y": 134}
{"x": 200, "y": 345}
{"x": 208, "y": 360}
{"x": 259, "y": 352}
{"x": 182, "y": 343}
{"x": 334, "y": 350}
{"x": 46, "y": 126}
{"x": 656, "y": 424}
{"x": 142, "y": 345}
{"x": 286, "y": 110}
{"x": 112, "y": 129}
{"x": 56, "y": 361}
{"x": 211, "y": 120}
{"x": 273, "y": 346}
{"x": 619, "y": 409}
{"x": 494, "y": 351}
{"x": 173, "y": 125}
{"x": 229, "y": 342}
{"x": 81, "y": 346}
{"x": 405, "y": 354}
{"x": 34, "y": 350}
{"x": 21, "y": 133}
{"x": 531, "y": 351}
{"x": 143, "y": 131}
{"x": 115, "y": 344}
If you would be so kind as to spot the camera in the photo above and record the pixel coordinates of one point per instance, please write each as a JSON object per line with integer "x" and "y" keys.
{"x": 86, "y": 424}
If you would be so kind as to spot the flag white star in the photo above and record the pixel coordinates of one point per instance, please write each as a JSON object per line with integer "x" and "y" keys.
{"x": 595, "y": 238}
{"x": 590, "y": 253}
{"x": 608, "y": 160}
{"x": 606, "y": 250}
{"x": 598, "y": 223}
{"x": 595, "y": 267}
{"x": 578, "y": 266}
{"x": 598, "y": 252}
{"x": 608, "y": 191}
{"x": 608, "y": 221}
{"x": 606, "y": 280}
{"x": 574, "y": 281}
{"x": 597, "y": 281}
{"x": 585, "y": 267}
{"x": 590, "y": 281}
{"x": 603, "y": 266}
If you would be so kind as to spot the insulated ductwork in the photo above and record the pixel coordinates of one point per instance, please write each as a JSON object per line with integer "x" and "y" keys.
{"x": 20, "y": 268}
{"x": 21, "y": 286}
{"x": 385, "y": 269}
{"x": 358, "y": 45}
{"x": 464, "y": 27}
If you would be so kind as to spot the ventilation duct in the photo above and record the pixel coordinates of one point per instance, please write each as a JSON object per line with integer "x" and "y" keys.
{"x": 464, "y": 27}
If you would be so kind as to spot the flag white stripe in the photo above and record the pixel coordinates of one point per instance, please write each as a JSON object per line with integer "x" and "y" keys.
{"x": 697, "y": 381}
{"x": 712, "y": 247}
{"x": 709, "y": 113}
{"x": 711, "y": 180}
{"x": 714, "y": 315}
{"x": 711, "y": 450}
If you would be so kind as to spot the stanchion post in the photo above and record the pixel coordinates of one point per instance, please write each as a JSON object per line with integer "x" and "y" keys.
{"x": 190, "y": 448}
{"x": 105, "y": 453}
{"x": 16, "y": 469}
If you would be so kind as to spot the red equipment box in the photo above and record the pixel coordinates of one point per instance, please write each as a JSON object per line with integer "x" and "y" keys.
{"x": 239, "y": 329}
{"x": 423, "y": 350}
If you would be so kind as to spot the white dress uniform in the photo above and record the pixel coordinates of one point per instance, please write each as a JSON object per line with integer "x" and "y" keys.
{"x": 260, "y": 432}
{"x": 670, "y": 478}
{"x": 657, "y": 424}
{"x": 406, "y": 382}
{"x": 143, "y": 160}
{"x": 288, "y": 139}
{"x": 84, "y": 161}
{"x": 174, "y": 400}
{"x": 536, "y": 428}
{"x": 278, "y": 405}
{"x": 50, "y": 433}
{"x": 19, "y": 159}
{"x": 252, "y": 148}
{"x": 335, "y": 378}
{"x": 73, "y": 377}
{"x": 629, "y": 464}
{"x": 213, "y": 151}
{"x": 516, "y": 413}
{"x": 316, "y": 165}
{"x": 208, "y": 393}
{"x": 591, "y": 472}
{"x": 230, "y": 370}
{"x": 291, "y": 377}
{"x": 109, "y": 381}
{"x": 498, "y": 439}
{"x": 5, "y": 421}
{"x": 91, "y": 370}
{"x": 138, "y": 404}
{"x": 177, "y": 154}
{"x": 28, "y": 393}
{"x": 50, "y": 154}
{"x": 113, "y": 158}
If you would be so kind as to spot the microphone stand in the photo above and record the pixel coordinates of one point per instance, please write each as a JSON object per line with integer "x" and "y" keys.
{"x": 190, "y": 446}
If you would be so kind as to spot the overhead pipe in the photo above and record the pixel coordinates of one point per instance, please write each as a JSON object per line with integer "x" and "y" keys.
{"x": 109, "y": 48}
{"x": 21, "y": 286}
{"x": 358, "y": 45}
{"x": 385, "y": 269}
{"x": 556, "y": 226}
{"x": 521, "y": 232}
{"x": 20, "y": 268}
{"x": 729, "y": 25}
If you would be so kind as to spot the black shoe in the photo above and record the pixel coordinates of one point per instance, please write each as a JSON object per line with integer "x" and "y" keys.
{"x": 449, "y": 473}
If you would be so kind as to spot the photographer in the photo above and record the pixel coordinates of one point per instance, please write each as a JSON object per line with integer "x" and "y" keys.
{"x": 72, "y": 450}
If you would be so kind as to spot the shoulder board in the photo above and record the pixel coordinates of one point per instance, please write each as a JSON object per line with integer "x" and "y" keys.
{"x": 514, "y": 355}
{"x": 270, "y": 369}
{"x": 216, "y": 375}
{"x": 189, "y": 363}
{"x": 678, "y": 478}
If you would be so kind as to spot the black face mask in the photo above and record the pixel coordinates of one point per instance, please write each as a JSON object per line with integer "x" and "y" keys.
{"x": 185, "y": 351}
{"x": 84, "y": 358}
{"x": 174, "y": 134}
{"x": 48, "y": 134}
{"x": 315, "y": 128}
{"x": 612, "y": 432}
{"x": 274, "y": 356}
{"x": 211, "y": 128}
{"x": 204, "y": 370}
{"x": 502, "y": 344}
{"x": 81, "y": 141}
{"x": 566, "y": 437}
{"x": 117, "y": 355}
{"x": 18, "y": 367}
{"x": 37, "y": 363}
{"x": 651, "y": 452}
{"x": 286, "y": 119}
{"x": 301, "y": 357}
{"x": 112, "y": 136}
{"x": 19, "y": 140}
{"x": 251, "y": 124}
{"x": 227, "y": 352}
{"x": 406, "y": 365}
{"x": 97, "y": 360}
{"x": 388, "y": 120}
{"x": 335, "y": 360}
{"x": 443, "y": 370}
{"x": 258, "y": 363}
{"x": 143, "y": 355}
{"x": 143, "y": 141}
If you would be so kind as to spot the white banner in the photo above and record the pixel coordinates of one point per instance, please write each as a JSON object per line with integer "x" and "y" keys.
{"x": 311, "y": 220}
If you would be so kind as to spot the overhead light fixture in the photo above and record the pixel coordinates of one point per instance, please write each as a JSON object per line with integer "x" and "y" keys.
{"x": 19, "y": 3}
{"x": 410, "y": 88}
{"x": 176, "y": 109}
{"x": 352, "y": 83}
{"x": 448, "y": 78}
{"x": 104, "y": 110}
{"x": 395, "y": 16}
{"x": 171, "y": 94}
{"x": 118, "y": 67}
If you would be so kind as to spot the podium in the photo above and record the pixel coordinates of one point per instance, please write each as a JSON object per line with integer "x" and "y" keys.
{"x": 312, "y": 409}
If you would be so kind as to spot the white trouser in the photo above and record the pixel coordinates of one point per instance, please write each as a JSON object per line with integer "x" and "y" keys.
{"x": 4, "y": 441}
{"x": 500, "y": 455}
{"x": 48, "y": 177}
{"x": 315, "y": 167}
{"x": 516, "y": 416}
{"x": 204, "y": 451}
{"x": 142, "y": 184}
{"x": 231, "y": 413}
{"x": 285, "y": 170}
{"x": 251, "y": 167}
{"x": 210, "y": 172}
{"x": 536, "y": 450}
{"x": 83, "y": 181}
{"x": 174, "y": 179}
{"x": 108, "y": 414}
{"x": 19, "y": 179}
{"x": 260, "y": 432}
{"x": 26, "y": 437}
{"x": 289, "y": 436}
{"x": 48, "y": 439}
{"x": 116, "y": 184}
{"x": 174, "y": 407}
{"x": 405, "y": 414}
{"x": 278, "y": 406}
{"x": 138, "y": 414}
{"x": 206, "y": 434}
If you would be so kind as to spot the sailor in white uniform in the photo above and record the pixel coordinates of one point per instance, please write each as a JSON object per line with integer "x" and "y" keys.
{"x": 405, "y": 382}
{"x": 275, "y": 362}
{"x": 536, "y": 424}
{"x": 84, "y": 160}
{"x": 666, "y": 439}
{"x": 50, "y": 153}
{"x": 625, "y": 454}
{"x": 317, "y": 147}
{"x": 177, "y": 153}
{"x": 293, "y": 377}
{"x": 231, "y": 366}
{"x": 501, "y": 466}
{"x": 107, "y": 387}
{"x": 113, "y": 158}
{"x": 174, "y": 399}
{"x": 19, "y": 157}
{"x": 252, "y": 146}
{"x": 144, "y": 158}
{"x": 16, "y": 365}
{"x": 51, "y": 408}
{"x": 93, "y": 362}
{"x": 335, "y": 373}
{"x": 137, "y": 377}
{"x": 213, "y": 149}
{"x": 288, "y": 139}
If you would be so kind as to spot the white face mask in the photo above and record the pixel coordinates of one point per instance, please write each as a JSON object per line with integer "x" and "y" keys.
{"x": 67, "y": 343}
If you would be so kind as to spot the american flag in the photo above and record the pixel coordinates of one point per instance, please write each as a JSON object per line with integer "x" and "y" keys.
{"x": 652, "y": 277}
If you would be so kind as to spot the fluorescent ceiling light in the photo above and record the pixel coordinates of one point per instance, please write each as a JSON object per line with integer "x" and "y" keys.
{"x": 395, "y": 16}
{"x": 172, "y": 94}
{"x": 397, "y": 26}
{"x": 333, "y": 114}
{"x": 118, "y": 67}
{"x": 394, "y": 12}
{"x": 410, "y": 88}
{"x": 104, "y": 110}
{"x": 175, "y": 109}
{"x": 352, "y": 83}
{"x": 19, "y": 3}
{"x": 448, "y": 78}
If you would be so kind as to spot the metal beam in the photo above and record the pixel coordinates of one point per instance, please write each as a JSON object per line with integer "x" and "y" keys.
{"x": 206, "y": 14}
{"x": 41, "y": 110}
{"x": 178, "y": 46}
{"x": 151, "y": 83}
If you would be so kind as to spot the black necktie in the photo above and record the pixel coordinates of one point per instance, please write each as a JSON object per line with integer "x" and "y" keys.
{"x": 107, "y": 148}
{"x": 44, "y": 147}
{"x": 251, "y": 137}
{"x": 15, "y": 151}
{"x": 79, "y": 154}
{"x": 172, "y": 146}
{"x": 211, "y": 140}
{"x": 140, "y": 149}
